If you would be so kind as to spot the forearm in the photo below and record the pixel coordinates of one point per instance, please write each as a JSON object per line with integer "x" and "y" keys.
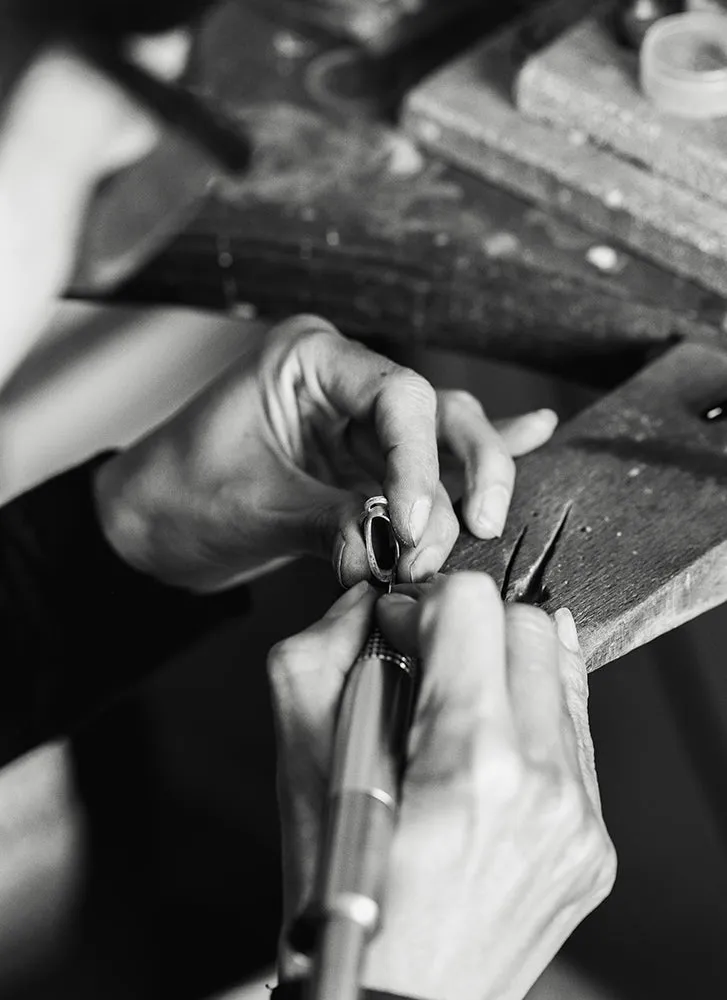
{"x": 78, "y": 624}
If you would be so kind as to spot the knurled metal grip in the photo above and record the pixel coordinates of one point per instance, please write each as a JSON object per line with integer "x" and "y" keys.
{"x": 377, "y": 647}
{"x": 368, "y": 760}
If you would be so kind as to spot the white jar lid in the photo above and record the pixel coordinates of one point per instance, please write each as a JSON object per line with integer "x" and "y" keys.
{"x": 683, "y": 64}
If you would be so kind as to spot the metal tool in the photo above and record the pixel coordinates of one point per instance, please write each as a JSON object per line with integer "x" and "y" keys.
{"x": 363, "y": 800}
{"x": 139, "y": 210}
{"x": 136, "y": 212}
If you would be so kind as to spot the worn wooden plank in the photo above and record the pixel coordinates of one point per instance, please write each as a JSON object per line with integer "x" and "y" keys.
{"x": 345, "y": 217}
{"x": 586, "y": 80}
{"x": 644, "y": 548}
{"x": 466, "y": 113}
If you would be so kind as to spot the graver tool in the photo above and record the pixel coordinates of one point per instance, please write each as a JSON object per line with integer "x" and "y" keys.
{"x": 363, "y": 800}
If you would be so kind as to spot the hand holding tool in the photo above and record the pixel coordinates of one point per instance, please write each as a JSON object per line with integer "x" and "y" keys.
{"x": 368, "y": 762}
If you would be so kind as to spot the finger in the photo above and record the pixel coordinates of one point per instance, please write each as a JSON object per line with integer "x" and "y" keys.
{"x": 307, "y": 674}
{"x": 463, "y": 697}
{"x": 398, "y": 618}
{"x": 421, "y": 589}
{"x": 535, "y": 685}
{"x": 342, "y": 606}
{"x": 521, "y": 434}
{"x": 575, "y": 688}
{"x": 364, "y": 447}
{"x": 398, "y": 613}
{"x": 489, "y": 471}
{"x": 329, "y": 520}
{"x": 401, "y": 405}
{"x": 528, "y": 431}
{"x": 418, "y": 563}
{"x": 350, "y": 559}
{"x": 314, "y": 518}
{"x": 307, "y": 671}
{"x": 442, "y": 530}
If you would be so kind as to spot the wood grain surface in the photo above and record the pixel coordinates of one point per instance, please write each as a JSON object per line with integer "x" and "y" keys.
{"x": 467, "y": 114}
{"x": 344, "y": 215}
{"x": 584, "y": 79}
{"x": 644, "y": 547}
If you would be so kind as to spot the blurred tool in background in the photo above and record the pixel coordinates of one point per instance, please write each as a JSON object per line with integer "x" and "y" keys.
{"x": 136, "y": 211}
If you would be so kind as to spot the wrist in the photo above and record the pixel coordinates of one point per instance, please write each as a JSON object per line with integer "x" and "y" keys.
{"x": 150, "y": 519}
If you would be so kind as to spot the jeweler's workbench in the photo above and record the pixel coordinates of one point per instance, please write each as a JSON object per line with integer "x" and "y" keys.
{"x": 351, "y": 211}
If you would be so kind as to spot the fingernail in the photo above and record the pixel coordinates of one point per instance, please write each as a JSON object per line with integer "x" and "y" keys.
{"x": 419, "y": 518}
{"x": 546, "y": 414}
{"x": 566, "y": 629}
{"x": 349, "y": 599}
{"x": 339, "y": 563}
{"x": 397, "y": 600}
{"x": 493, "y": 511}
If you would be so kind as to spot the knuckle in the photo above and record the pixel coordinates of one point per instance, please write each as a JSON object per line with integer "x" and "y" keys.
{"x": 448, "y": 528}
{"x": 569, "y": 801}
{"x": 306, "y": 325}
{"x": 283, "y": 658}
{"x": 595, "y": 856}
{"x": 406, "y": 382}
{"x": 504, "y": 776}
{"x": 457, "y": 595}
{"x": 560, "y": 800}
{"x": 459, "y": 401}
{"x": 501, "y": 465}
{"x": 607, "y": 869}
{"x": 469, "y": 587}
{"x": 526, "y": 618}
{"x": 305, "y": 332}
{"x": 597, "y": 850}
{"x": 561, "y": 806}
{"x": 278, "y": 661}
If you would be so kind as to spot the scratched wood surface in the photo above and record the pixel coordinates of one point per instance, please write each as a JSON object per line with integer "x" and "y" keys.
{"x": 467, "y": 113}
{"x": 343, "y": 215}
{"x": 644, "y": 546}
{"x": 607, "y": 104}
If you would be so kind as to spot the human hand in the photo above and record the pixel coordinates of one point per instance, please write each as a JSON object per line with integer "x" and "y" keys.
{"x": 501, "y": 848}
{"x": 274, "y": 460}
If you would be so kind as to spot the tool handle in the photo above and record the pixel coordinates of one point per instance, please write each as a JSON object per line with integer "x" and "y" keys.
{"x": 373, "y": 721}
{"x": 368, "y": 763}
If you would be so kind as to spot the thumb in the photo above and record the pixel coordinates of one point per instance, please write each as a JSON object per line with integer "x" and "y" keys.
{"x": 307, "y": 672}
{"x": 398, "y": 617}
{"x": 463, "y": 708}
{"x": 326, "y": 523}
